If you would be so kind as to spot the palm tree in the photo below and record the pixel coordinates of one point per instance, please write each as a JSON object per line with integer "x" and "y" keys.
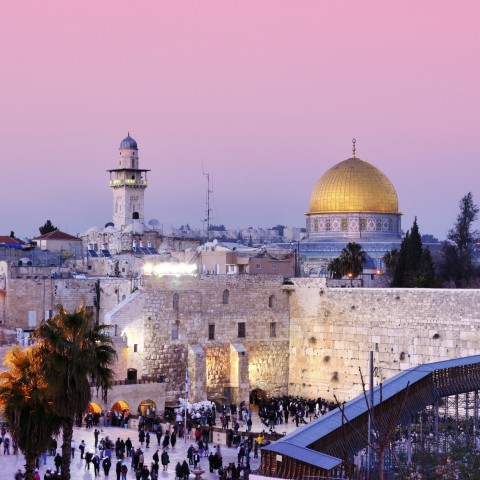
{"x": 76, "y": 354}
{"x": 335, "y": 269}
{"x": 352, "y": 258}
{"x": 24, "y": 401}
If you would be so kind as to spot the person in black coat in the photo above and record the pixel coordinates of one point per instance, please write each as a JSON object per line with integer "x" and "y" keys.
{"x": 185, "y": 470}
{"x": 107, "y": 463}
{"x": 165, "y": 460}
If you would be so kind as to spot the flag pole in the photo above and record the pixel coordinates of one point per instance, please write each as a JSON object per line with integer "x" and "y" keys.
{"x": 186, "y": 404}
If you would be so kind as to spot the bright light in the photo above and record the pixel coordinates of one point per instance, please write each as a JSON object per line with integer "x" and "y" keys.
{"x": 169, "y": 268}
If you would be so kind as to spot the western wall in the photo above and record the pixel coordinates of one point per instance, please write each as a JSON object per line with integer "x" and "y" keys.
{"x": 301, "y": 339}
{"x": 332, "y": 332}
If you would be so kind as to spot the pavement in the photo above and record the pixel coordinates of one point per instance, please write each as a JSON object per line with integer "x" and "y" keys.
{"x": 9, "y": 464}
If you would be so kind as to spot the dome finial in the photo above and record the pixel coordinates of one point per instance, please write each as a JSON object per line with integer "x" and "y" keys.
{"x": 354, "y": 141}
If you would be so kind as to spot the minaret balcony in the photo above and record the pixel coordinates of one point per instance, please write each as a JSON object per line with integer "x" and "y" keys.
{"x": 129, "y": 182}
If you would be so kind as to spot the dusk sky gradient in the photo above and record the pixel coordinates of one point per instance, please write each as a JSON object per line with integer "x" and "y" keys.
{"x": 267, "y": 95}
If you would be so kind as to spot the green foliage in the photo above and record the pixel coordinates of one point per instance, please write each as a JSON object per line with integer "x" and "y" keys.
{"x": 457, "y": 264}
{"x": 47, "y": 228}
{"x": 413, "y": 266}
{"x": 75, "y": 351}
{"x": 349, "y": 263}
{"x": 25, "y": 401}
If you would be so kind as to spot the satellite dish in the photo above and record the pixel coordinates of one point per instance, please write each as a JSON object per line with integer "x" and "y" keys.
{"x": 215, "y": 241}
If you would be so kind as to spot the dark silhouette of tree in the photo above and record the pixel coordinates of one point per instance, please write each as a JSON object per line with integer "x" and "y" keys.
{"x": 74, "y": 351}
{"x": 390, "y": 260}
{"x": 414, "y": 265}
{"x": 457, "y": 251}
{"x": 335, "y": 269}
{"x": 352, "y": 259}
{"x": 47, "y": 228}
{"x": 25, "y": 404}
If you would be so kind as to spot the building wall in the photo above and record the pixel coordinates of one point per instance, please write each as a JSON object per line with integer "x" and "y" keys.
{"x": 332, "y": 332}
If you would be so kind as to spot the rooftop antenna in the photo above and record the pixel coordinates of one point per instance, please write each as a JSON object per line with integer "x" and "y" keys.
{"x": 207, "y": 202}
{"x": 354, "y": 141}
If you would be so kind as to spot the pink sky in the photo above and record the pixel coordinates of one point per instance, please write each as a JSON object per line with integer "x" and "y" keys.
{"x": 267, "y": 94}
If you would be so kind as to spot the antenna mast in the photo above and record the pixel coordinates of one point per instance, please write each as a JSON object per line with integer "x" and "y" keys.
{"x": 207, "y": 202}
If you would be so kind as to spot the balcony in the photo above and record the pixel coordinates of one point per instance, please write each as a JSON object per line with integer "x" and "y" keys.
{"x": 130, "y": 182}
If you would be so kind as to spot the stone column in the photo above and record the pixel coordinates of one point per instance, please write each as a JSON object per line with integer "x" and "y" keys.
{"x": 197, "y": 373}
{"x": 239, "y": 380}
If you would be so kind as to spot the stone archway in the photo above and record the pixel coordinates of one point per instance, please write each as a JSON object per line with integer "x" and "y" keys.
{"x": 147, "y": 408}
{"x": 257, "y": 395}
{"x": 94, "y": 408}
{"x": 118, "y": 414}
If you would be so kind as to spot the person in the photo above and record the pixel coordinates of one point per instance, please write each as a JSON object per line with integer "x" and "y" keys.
{"x": 124, "y": 471}
{"x": 211, "y": 461}
{"x": 154, "y": 471}
{"x": 6, "y": 445}
{"x": 173, "y": 439}
{"x": 196, "y": 458}
{"x": 88, "y": 459}
{"x": 190, "y": 454}
{"x": 96, "y": 433}
{"x": 178, "y": 471}
{"x": 107, "y": 463}
{"x": 166, "y": 440}
{"x": 155, "y": 457}
{"x": 118, "y": 469}
{"x": 185, "y": 470}
{"x": 165, "y": 460}
{"x": 72, "y": 447}
{"x": 128, "y": 446}
{"x": 58, "y": 462}
{"x": 81, "y": 447}
{"x": 147, "y": 439}
{"x": 19, "y": 475}
{"x": 96, "y": 464}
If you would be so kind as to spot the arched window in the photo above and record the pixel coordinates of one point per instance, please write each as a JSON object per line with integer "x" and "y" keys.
{"x": 175, "y": 301}
{"x": 271, "y": 301}
{"x": 226, "y": 294}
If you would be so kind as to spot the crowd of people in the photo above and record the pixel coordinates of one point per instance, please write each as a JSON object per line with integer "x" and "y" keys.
{"x": 123, "y": 457}
{"x": 275, "y": 411}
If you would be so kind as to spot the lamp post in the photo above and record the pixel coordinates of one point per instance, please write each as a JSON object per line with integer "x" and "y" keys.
{"x": 350, "y": 276}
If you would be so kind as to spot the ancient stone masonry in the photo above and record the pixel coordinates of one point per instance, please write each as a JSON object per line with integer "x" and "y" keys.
{"x": 213, "y": 312}
{"x": 332, "y": 332}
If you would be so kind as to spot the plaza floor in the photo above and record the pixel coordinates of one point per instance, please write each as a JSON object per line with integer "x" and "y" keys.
{"x": 9, "y": 464}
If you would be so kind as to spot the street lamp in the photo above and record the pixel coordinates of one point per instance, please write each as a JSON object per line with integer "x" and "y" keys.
{"x": 350, "y": 276}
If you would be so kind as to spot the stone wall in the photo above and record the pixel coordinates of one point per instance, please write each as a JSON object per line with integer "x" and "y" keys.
{"x": 332, "y": 332}
{"x": 170, "y": 314}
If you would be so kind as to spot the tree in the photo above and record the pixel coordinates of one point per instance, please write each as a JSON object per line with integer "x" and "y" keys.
{"x": 74, "y": 351}
{"x": 47, "y": 228}
{"x": 335, "y": 269}
{"x": 352, "y": 259}
{"x": 413, "y": 264}
{"x": 390, "y": 260}
{"x": 25, "y": 404}
{"x": 457, "y": 252}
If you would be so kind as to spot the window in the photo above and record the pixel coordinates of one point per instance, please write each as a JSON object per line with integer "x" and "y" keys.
{"x": 258, "y": 266}
{"x": 175, "y": 301}
{"x": 175, "y": 331}
{"x": 274, "y": 266}
{"x": 241, "y": 330}
{"x": 135, "y": 347}
{"x": 273, "y": 329}
{"x": 32, "y": 319}
{"x": 271, "y": 301}
{"x": 211, "y": 331}
{"x": 226, "y": 294}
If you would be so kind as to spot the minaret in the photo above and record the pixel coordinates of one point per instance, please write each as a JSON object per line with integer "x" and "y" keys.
{"x": 128, "y": 183}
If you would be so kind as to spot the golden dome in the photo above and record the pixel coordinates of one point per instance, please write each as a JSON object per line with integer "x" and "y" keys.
{"x": 354, "y": 186}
